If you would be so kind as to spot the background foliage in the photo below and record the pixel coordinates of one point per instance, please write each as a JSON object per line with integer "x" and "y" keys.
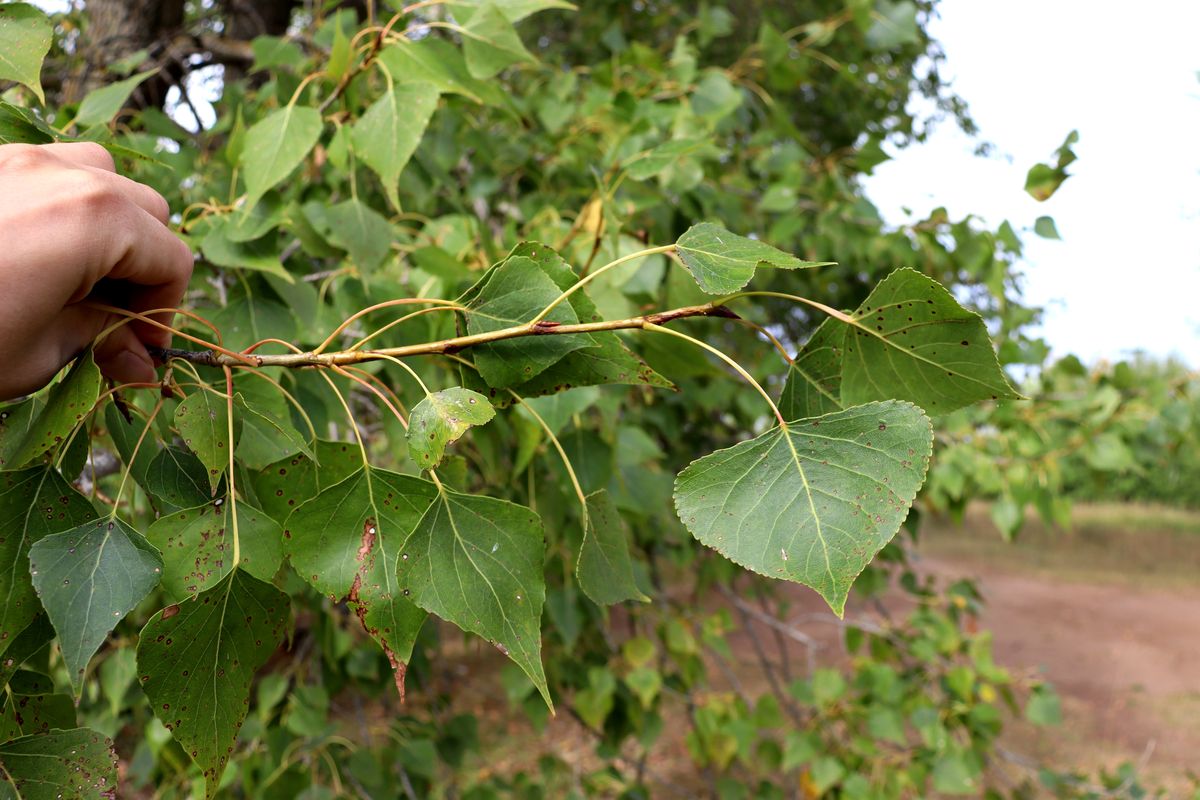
{"x": 362, "y": 153}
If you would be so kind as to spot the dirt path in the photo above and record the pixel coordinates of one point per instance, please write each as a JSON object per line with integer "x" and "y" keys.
{"x": 1124, "y": 658}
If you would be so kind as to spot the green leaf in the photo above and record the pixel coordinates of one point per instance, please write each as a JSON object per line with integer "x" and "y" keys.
{"x": 606, "y": 361}
{"x": 101, "y": 105}
{"x": 438, "y": 62}
{"x": 34, "y": 503}
{"x": 34, "y": 709}
{"x": 814, "y": 379}
{"x": 275, "y": 145}
{"x": 197, "y": 546}
{"x": 177, "y": 477}
{"x": 514, "y": 10}
{"x": 1045, "y": 228}
{"x": 88, "y": 579}
{"x": 516, "y": 292}
{"x": 77, "y": 764}
{"x": 1043, "y": 180}
{"x": 1044, "y": 707}
{"x": 604, "y": 570}
{"x": 641, "y": 166}
{"x": 723, "y": 262}
{"x": 490, "y": 43}
{"x": 68, "y": 403}
{"x": 289, "y": 482}
{"x": 261, "y": 255}
{"x": 557, "y": 410}
{"x": 345, "y": 543}
{"x": 354, "y": 227}
{"x": 387, "y": 135}
{"x": 272, "y": 51}
{"x": 20, "y": 125}
{"x": 477, "y": 562}
{"x": 914, "y": 342}
{"x": 203, "y": 422}
{"x": 813, "y": 503}
{"x": 440, "y": 419}
{"x": 266, "y": 438}
{"x": 25, "y": 645}
{"x": 25, "y": 36}
{"x": 952, "y": 775}
{"x": 197, "y": 660}
{"x": 893, "y": 25}
{"x": 247, "y": 319}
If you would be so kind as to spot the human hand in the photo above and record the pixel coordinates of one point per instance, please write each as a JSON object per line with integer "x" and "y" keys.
{"x": 73, "y": 231}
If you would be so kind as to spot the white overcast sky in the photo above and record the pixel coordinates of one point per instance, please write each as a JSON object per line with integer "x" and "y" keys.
{"x": 1126, "y": 275}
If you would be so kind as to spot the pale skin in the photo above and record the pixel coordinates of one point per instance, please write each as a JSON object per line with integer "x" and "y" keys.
{"x": 74, "y": 232}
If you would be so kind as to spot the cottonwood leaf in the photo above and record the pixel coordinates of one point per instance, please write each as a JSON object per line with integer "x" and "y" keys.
{"x": 25, "y": 645}
{"x": 440, "y": 419}
{"x": 605, "y": 361}
{"x": 247, "y": 319}
{"x": 642, "y": 166}
{"x": 89, "y": 578}
{"x": 515, "y": 293}
{"x": 290, "y": 482}
{"x": 477, "y": 562}
{"x": 178, "y": 479}
{"x": 490, "y": 43}
{"x": 102, "y": 104}
{"x": 604, "y": 570}
{"x": 265, "y": 438}
{"x": 437, "y": 62}
{"x": 197, "y": 545}
{"x": 275, "y": 145}
{"x": 914, "y": 342}
{"x": 723, "y": 262}
{"x": 25, "y": 36}
{"x": 34, "y": 503}
{"x": 354, "y": 227}
{"x": 21, "y": 126}
{"x": 812, "y": 503}
{"x": 203, "y": 422}
{"x": 69, "y": 401}
{"x": 513, "y": 10}
{"x": 197, "y": 659}
{"x": 387, "y": 134}
{"x": 261, "y": 254}
{"x": 345, "y": 543}
{"x": 76, "y": 764}
{"x": 27, "y": 710}
{"x": 814, "y": 381}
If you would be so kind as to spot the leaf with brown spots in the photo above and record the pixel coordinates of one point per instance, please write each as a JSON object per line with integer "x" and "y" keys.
{"x": 203, "y": 422}
{"x": 68, "y": 403}
{"x": 345, "y": 543}
{"x": 76, "y": 764}
{"x": 196, "y": 665}
{"x": 282, "y": 486}
{"x": 197, "y": 545}
{"x": 33, "y": 504}
{"x": 442, "y": 417}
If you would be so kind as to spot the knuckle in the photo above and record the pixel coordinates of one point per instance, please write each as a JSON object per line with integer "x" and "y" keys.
{"x": 97, "y": 153}
{"x": 22, "y": 156}
{"x": 95, "y": 194}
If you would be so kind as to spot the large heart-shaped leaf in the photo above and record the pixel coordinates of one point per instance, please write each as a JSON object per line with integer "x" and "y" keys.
{"x": 76, "y": 764}
{"x": 345, "y": 542}
{"x": 197, "y": 660}
{"x": 25, "y": 35}
{"x": 387, "y": 134}
{"x": 723, "y": 262}
{"x": 33, "y": 504}
{"x": 88, "y": 579}
{"x": 197, "y": 545}
{"x": 914, "y": 342}
{"x": 275, "y": 145}
{"x": 477, "y": 562}
{"x": 812, "y": 503}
